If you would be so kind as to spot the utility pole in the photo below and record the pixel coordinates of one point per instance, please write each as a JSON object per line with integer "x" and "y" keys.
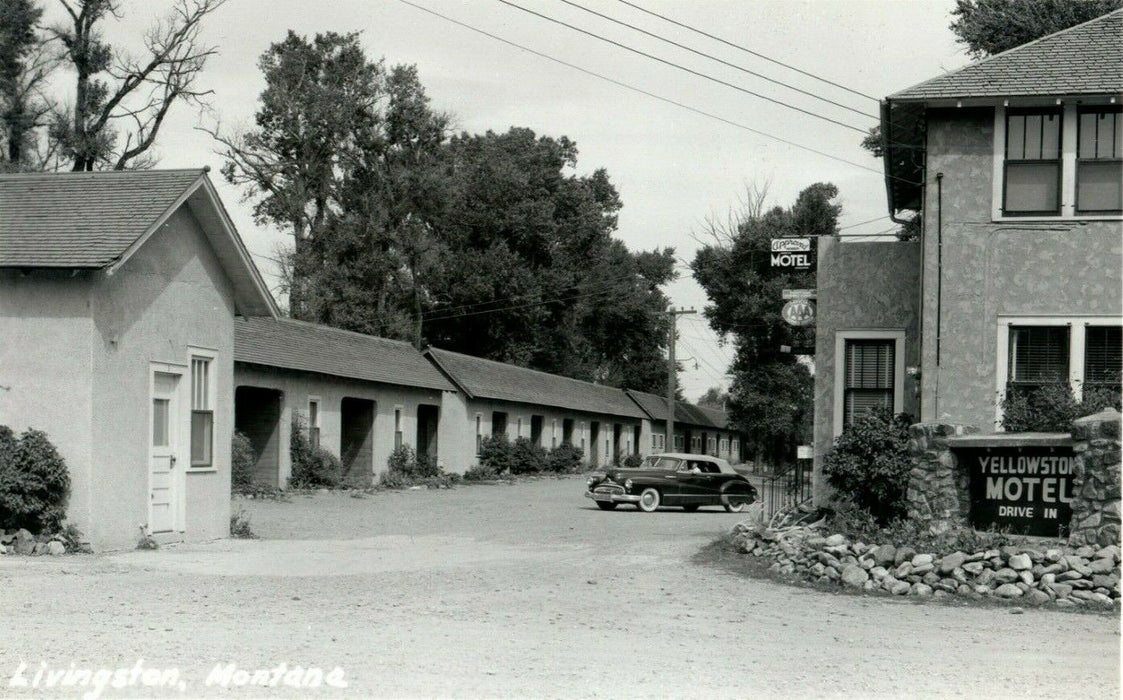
{"x": 672, "y": 374}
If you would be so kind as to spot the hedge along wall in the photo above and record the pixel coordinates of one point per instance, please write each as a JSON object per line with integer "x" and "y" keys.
{"x": 939, "y": 494}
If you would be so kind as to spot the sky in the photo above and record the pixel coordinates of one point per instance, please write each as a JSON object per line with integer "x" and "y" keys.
{"x": 674, "y": 169}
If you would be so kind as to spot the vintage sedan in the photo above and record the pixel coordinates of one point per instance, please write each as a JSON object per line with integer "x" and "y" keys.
{"x": 673, "y": 479}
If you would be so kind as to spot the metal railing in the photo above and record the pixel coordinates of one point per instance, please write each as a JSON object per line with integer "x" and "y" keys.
{"x": 791, "y": 486}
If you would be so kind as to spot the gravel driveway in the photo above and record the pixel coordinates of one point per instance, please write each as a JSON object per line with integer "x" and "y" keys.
{"x": 524, "y": 590}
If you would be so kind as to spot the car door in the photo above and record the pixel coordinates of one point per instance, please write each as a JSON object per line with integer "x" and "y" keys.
{"x": 696, "y": 483}
{"x": 667, "y": 474}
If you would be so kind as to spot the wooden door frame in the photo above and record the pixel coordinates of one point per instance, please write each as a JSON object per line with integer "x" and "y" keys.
{"x": 181, "y": 414}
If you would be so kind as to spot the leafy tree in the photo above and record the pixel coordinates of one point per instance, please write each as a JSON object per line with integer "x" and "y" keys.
{"x": 26, "y": 62}
{"x": 120, "y": 102}
{"x": 988, "y": 27}
{"x": 714, "y": 398}
{"x": 771, "y": 395}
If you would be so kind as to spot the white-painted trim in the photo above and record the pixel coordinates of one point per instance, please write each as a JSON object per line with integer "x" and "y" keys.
{"x": 193, "y": 352}
{"x": 1076, "y": 325}
{"x": 1069, "y": 127}
{"x": 840, "y": 338}
{"x": 182, "y": 414}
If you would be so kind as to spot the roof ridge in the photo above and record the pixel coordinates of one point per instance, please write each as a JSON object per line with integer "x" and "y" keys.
{"x": 324, "y": 326}
{"x": 91, "y": 173}
{"x": 528, "y": 369}
{"x": 1020, "y": 47}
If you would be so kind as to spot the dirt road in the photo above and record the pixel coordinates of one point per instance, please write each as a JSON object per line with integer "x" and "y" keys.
{"x": 518, "y": 591}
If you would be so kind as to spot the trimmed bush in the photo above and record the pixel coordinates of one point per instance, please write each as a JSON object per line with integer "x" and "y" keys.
{"x": 312, "y": 467}
{"x": 406, "y": 468}
{"x": 242, "y": 459}
{"x": 34, "y": 482}
{"x": 564, "y": 459}
{"x": 1052, "y": 408}
{"x": 529, "y": 458}
{"x": 632, "y": 461}
{"x": 480, "y": 472}
{"x": 869, "y": 464}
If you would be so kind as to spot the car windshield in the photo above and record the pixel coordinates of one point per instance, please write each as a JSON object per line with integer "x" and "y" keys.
{"x": 668, "y": 464}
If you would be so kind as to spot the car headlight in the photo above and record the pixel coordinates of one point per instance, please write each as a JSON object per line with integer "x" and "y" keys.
{"x": 590, "y": 481}
{"x": 628, "y": 485}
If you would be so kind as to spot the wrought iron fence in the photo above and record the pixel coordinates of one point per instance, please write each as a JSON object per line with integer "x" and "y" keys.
{"x": 791, "y": 486}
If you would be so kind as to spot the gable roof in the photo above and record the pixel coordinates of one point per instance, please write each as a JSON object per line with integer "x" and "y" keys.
{"x": 686, "y": 413}
{"x": 1084, "y": 59}
{"x": 97, "y": 220}
{"x": 488, "y": 379}
{"x": 309, "y": 347}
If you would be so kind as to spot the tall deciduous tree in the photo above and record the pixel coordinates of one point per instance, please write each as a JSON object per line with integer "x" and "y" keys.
{"x": 771, "y": 396}
{"x": 988, "y": 27}
{"x": 121, "y": 101}
{"x": 26, "y": 62}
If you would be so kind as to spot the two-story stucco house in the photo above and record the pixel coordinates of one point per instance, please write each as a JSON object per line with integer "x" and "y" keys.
{"x": 118, "y": 294}
{"x": 1015, "y": 164}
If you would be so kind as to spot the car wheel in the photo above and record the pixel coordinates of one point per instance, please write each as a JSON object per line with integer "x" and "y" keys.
{"x": 649, "y": 500}
{"x": 605, "y": 505}
{"x": 735, "y": 501}
{"x": 690, "y": 509}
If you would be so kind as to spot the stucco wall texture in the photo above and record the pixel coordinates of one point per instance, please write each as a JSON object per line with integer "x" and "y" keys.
{"x": 992, "y": 269}
{"x": 76, "y": 363}
{"x": 298, "y": 387}
{"x": 861, "y": 286}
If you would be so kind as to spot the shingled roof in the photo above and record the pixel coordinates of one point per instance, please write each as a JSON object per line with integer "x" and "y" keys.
{"x": 685, "y": 413}
{"x": 308, "y": 347}
{"x": 92, "y": 221}
{"x": 487, "y": 379}
{"x": 1081, "y": 60}
{"x": 83, "y": 220}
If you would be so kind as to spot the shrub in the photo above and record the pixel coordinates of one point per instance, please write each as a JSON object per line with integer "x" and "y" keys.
{"x": 480, "y": 472}
{"x": 312, "y": 467}
{"x": 407, "y": 468}
{"x": 34, "y": 482}
{"x": 869, "y": 464}
{"x": 564, "y": 459}
{"x": 497, "y": 453}
{"x": 632, "y": 461}
{"x": 529, "y": 458}
{"x": 242, "y": 460}
{"x": 1051, "y": 408}
{"x": 240, "y": 525}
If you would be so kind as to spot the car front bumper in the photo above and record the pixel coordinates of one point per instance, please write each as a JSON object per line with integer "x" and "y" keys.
{"x": 612, "y": 497}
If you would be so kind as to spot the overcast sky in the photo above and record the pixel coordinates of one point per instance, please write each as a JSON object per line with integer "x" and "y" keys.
{"x": 673, "y": 168}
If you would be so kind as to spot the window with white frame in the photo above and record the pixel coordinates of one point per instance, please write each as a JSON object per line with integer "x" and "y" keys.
{"x": 678, "y": 443}
{"x": 1099, "y": 160}
{"x": 1032, "y": 178}
{"x": 397, "y": 427}
{"x": 724, "y": 446}
{"x": 314, "y": 421}
{"x": 735, "y": 446}
{"x": 202, "y": 413}
{"x": 1086, "y": 353}
{"x": 581, "y": 428}
{"x": 479, "y": 433}
{"x": 554, "y": 432}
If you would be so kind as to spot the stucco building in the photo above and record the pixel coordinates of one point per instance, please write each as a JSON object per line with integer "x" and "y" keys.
{"x": 1015, "y": 164}
{"x": 356, "y": 395}
{"x": 698, "y": 430}
{"x": 118, "y": 294}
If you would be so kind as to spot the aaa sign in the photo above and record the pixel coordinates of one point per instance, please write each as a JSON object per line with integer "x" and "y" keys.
{"x": 799, "y": 312}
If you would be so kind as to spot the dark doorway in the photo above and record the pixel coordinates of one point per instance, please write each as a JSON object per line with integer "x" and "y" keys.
{"x": 536, "y": 429}
{"x": 498, "y": 423}
{"x": 427, "y": 417}
{"x": 635, "y": 440}
{"x": 257, "y": 415}
{"x": 594, "y": 440}
{"x": 567, "y": 431}
{"x": 617, "y": 447}
{"x": 356, "y": 440}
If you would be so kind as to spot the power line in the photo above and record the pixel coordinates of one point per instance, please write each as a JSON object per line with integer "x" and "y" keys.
{"x": 520, "y": 306}
{"x": 683, "y": 68}
{"x": 596, "y": 285}
{"x": 746, "y": 50}
{"x": 654, "y": 96}
{"x": 720, "y": 60}
{"x": 863, "y": 223}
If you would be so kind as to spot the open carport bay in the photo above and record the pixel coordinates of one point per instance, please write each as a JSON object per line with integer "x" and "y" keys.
{"x": 524, "y": 590}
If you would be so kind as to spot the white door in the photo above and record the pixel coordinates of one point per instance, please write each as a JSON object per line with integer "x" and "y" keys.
{"x": 162, "y": 480}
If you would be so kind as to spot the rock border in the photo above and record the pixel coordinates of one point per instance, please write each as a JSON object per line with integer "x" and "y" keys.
{"x": 1044, "y": 574}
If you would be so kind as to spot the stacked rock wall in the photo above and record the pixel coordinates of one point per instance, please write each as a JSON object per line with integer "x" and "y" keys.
{"x": 1095, "y": 486}
{"x": 937, "y": 492}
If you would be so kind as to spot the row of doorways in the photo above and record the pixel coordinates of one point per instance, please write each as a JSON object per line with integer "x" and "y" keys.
{"x": 257, "y": 414}
{"x": 611, "y": 451}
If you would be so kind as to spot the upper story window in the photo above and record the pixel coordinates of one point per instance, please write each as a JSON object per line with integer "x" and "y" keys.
{"x": 1032, "y": 183}
{"x": 1099, "y": 161}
